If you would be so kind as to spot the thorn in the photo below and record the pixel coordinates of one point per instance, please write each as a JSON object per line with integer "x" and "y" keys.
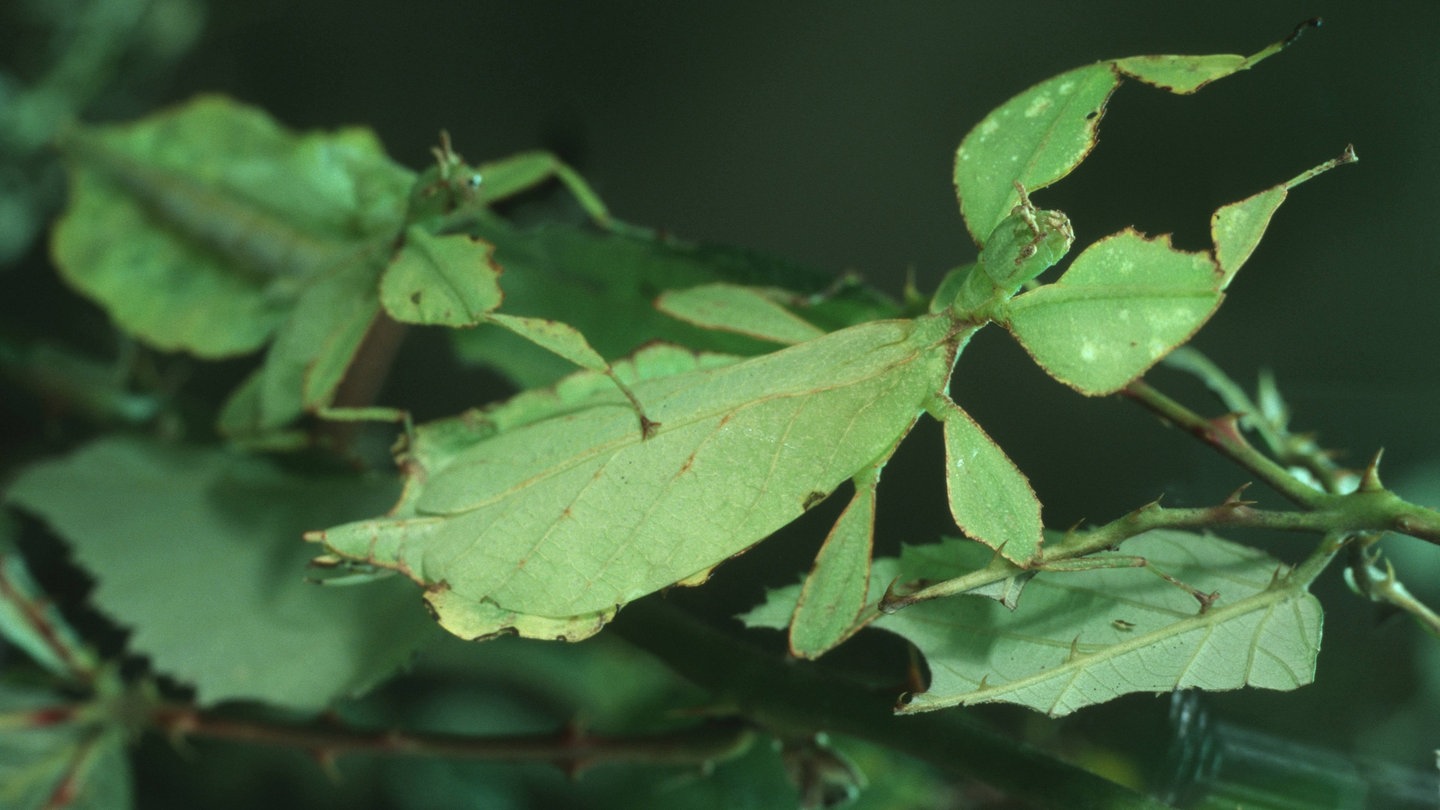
{"x": 1225, "y": 429}
{"x": 1074, "y": 649}
{"x": 1234, "y": 499}
{"x": 1370, "y": 479}
{"x": 893, "y": 600}
{"x": 1206, "y": 600}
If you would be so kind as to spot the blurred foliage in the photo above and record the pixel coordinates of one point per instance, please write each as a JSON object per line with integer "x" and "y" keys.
{"x": 68, "y": 59}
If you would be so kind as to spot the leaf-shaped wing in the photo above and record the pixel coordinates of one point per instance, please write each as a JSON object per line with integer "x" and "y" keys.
{"x": 310, "y": 354}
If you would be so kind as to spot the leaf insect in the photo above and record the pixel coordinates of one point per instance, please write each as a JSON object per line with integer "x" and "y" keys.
{"x": 546, "y": 515}
{"x": 738, "y": 452}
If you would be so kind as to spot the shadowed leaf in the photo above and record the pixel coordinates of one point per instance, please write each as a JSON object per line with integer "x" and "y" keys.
{"x": 198, "y": 551}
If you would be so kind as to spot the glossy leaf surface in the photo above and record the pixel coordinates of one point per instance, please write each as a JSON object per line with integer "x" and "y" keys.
{"x": 1085, "y": 637}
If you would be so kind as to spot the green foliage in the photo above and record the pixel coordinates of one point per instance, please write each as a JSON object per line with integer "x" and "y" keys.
{"x": 548, "y": 529}
{"x": 720, "y": 396}
{"x": 54, "y": 752}
{"x": 72, "y": 762}
{"x": 195, "y": 549}
{"x": 1077, "y": 638}
{"x": 196, "y": 228}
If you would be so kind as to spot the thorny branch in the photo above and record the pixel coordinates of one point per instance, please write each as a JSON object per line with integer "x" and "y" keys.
{"x": 1349, "y": 511}
{"x": 1357, "y": 508}
{"x": 571, "y": 749}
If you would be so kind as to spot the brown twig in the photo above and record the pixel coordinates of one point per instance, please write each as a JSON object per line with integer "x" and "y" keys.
{"x": 570, "y": 749}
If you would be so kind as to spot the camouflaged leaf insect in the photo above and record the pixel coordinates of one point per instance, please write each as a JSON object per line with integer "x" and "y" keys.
{"x": 548, "y": 527}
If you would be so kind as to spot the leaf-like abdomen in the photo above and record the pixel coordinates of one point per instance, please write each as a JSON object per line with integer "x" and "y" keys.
{"x": 578, "y": 514}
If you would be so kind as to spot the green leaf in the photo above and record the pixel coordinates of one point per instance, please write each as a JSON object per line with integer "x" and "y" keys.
{"x": 1086, "y": 637}
{"x": 990, "y": 498}
{"x": 196, "y": 227}
{"x": 1078, "y": 638}
{"x": 834, "y": 592}
{"x": 547, "y": 527}
{"x": 69, "y": 762}
{"x": 743, "y": 310}
{"x": 30, "y": 620}
{"x": 605, "y": 284}
{"x": 1125, "y": 302}
{"x": 1042, "y": 134}
{"x": 198, "y": 551}
{"x": 441, "y": 280}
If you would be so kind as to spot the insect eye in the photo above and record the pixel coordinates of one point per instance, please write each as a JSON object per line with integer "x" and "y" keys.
{"x": 473, "y": 182}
